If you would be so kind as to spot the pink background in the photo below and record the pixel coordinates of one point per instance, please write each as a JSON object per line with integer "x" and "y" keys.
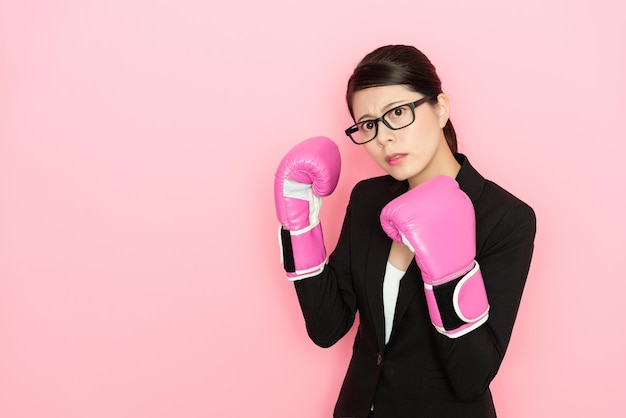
{"x": 139, "y": 267}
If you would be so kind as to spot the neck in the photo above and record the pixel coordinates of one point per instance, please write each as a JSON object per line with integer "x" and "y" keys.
{"x": 444, "y": 164}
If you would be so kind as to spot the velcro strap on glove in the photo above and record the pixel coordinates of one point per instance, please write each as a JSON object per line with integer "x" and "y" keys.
{"x": 458, "y": 306}
{"x": 303, "y": 253}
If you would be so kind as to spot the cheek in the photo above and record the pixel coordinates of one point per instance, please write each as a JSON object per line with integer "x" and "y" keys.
{"x": 426, "y": 132}
{"x": 373, "y": 151}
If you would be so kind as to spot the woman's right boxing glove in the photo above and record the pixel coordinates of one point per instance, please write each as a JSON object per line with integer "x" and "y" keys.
{"x": 307, "y": 172}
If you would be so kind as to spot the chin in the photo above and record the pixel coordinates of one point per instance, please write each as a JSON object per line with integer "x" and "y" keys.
{"x": 402, "y": 175}
{"x": 397, "y": 177}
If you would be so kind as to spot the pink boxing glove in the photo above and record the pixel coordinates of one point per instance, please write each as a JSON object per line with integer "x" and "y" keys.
{"x": 436, "y": 221}
{"x": 309, "y": 171}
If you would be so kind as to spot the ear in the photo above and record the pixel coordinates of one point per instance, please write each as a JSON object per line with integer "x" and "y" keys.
{"x": 443, "y": 109}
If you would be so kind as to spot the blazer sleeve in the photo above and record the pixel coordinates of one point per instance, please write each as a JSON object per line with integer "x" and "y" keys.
{"x": 328, "y": 300}
{"x": 472, "y": 361}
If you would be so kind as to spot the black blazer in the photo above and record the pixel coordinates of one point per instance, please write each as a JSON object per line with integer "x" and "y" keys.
{"x": 419, "y": 372}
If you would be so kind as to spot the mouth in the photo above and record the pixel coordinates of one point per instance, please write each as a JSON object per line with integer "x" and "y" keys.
{"x": 394, "y": 159}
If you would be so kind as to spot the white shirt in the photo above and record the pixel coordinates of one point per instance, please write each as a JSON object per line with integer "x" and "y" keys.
{"x": 391, "y": 284}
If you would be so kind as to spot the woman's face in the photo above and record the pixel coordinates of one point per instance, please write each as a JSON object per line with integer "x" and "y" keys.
{"x": 416, "y": 152}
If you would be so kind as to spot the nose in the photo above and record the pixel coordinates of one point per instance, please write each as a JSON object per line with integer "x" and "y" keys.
{"x": 385, "y": 134}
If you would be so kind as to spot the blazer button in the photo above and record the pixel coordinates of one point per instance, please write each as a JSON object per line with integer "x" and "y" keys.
{"x": 379, "y": 359}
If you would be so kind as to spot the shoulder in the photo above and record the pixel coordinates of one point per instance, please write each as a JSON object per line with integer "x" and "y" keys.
{"x": 486, "y": 195}
{"x": 502, "y": 199}
{"x": 497, "y": 209}
{"x": 500, "y": 210}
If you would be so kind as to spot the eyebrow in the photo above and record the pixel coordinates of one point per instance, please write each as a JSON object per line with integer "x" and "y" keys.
{"x": 387, "y": 107}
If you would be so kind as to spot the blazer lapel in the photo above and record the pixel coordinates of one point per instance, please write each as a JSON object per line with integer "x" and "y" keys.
{"x": 378, "y": 254}
{"x": 376, "y": 264}
{"x": 410, "y": 285}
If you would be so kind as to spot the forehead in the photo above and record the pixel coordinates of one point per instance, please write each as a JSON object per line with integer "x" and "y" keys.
{"x": 374, "y": 101}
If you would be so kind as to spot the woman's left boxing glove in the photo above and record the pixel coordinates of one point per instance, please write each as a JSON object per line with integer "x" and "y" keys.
{"x": 309, "y": 171}
{"x": 436, "y": 221}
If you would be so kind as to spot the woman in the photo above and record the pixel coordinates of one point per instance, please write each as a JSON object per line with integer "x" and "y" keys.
{"x": 433, "y": 256}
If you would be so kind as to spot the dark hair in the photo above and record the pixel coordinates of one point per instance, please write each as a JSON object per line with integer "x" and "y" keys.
{"x": 399, "y": 64}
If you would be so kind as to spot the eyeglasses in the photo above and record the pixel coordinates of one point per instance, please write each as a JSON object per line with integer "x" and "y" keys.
{"x": 397, "y": 118}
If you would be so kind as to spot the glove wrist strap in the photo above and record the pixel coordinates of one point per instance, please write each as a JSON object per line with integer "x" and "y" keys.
{"x": 303, "y": 253}
{"x": 458, "y": 306}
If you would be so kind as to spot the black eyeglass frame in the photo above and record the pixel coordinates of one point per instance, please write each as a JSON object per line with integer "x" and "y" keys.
{"x": 354, "y": 128}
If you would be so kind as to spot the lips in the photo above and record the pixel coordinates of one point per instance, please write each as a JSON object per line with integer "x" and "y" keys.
{"x": 394, "y": 159}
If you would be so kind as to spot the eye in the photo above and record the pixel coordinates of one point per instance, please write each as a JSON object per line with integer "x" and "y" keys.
{"x": 367, "y": 126}
{"x": 398, "y": 112}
